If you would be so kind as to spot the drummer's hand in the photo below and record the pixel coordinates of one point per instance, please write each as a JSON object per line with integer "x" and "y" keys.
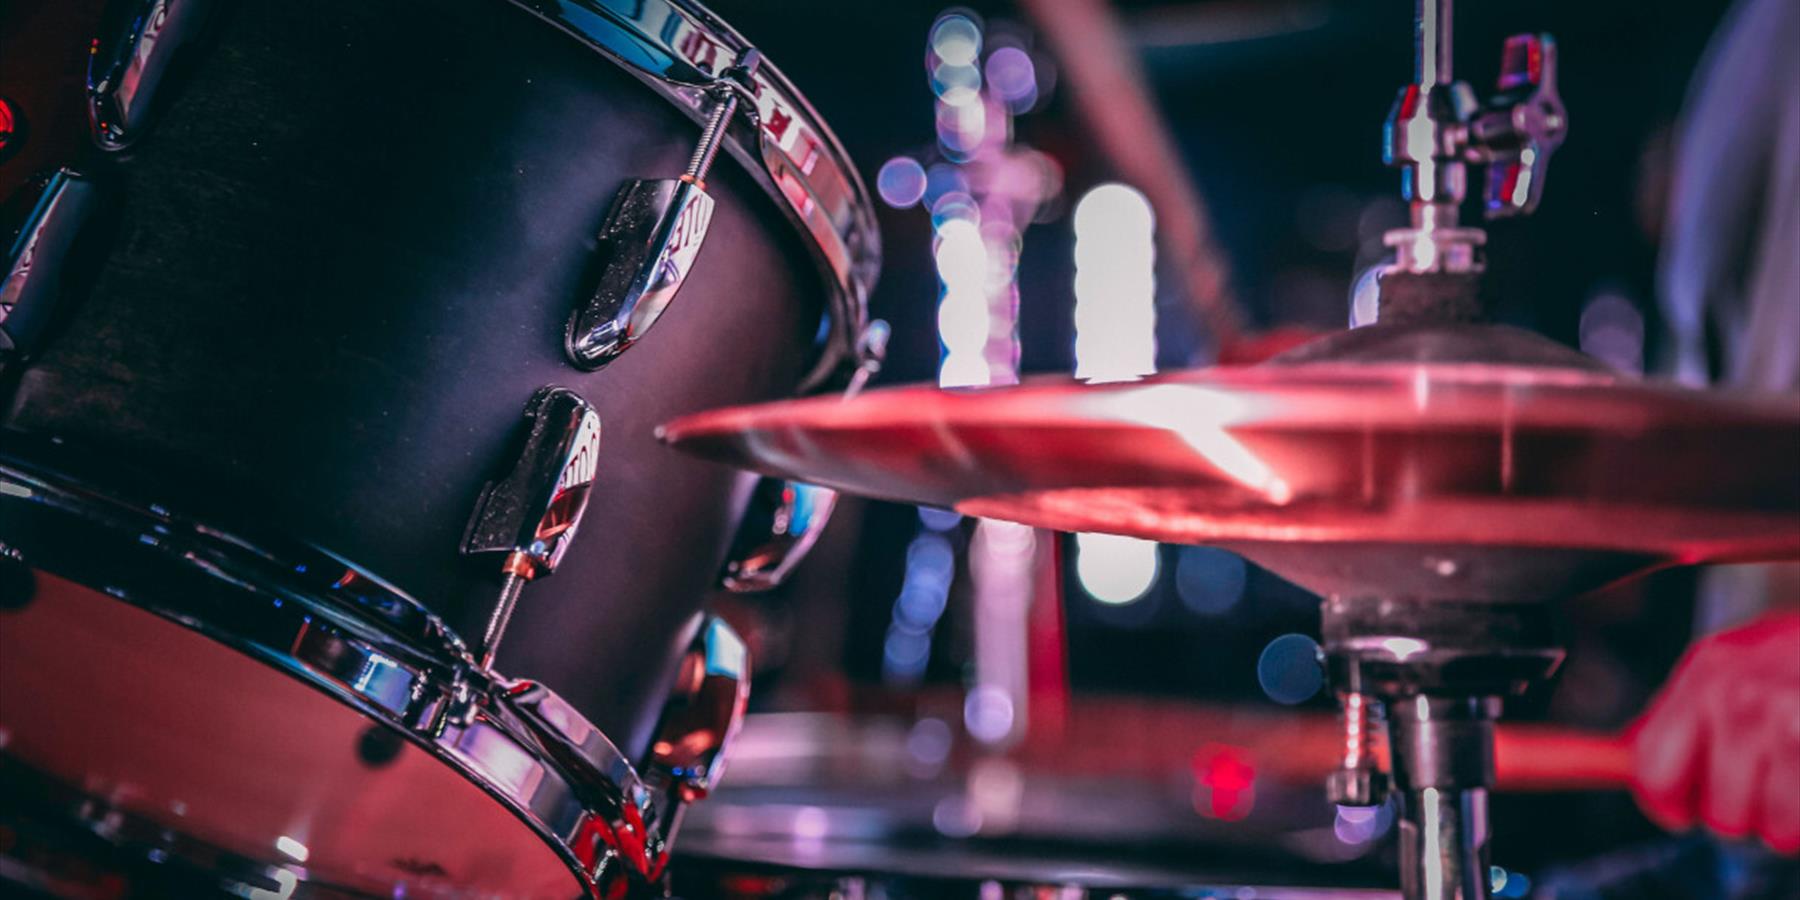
{"x": 1721, "y": 744}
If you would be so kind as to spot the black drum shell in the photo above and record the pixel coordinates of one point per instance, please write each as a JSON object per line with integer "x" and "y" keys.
{"x": 339, "y": 265}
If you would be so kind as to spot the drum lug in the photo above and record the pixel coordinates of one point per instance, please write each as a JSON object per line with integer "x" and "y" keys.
{"x": 648, "y": 246}
{"x": 785, "y": 518}
{"x": 51, "y": 215}
{"x": 531, "y": 514}
{"x": 124, "y": 74}
{"x": 650, "y": 239}
{"x": 698, "y": 722}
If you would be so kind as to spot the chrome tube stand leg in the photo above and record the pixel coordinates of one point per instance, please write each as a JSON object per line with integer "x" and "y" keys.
{"x": 1439, "y": 667}
{"x": 1443, "y": 761}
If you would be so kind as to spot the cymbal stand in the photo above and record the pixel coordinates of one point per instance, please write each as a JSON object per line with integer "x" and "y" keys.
{"x": 1431, "y": 654}
{"x": 1437, "y": 130}
{"x": 1438, "y": 668}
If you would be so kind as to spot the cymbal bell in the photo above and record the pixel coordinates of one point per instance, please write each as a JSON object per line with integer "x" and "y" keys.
{"x": 1467, "y": 470}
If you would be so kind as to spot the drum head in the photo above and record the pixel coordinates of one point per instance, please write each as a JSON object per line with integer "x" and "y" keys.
{"x": 153, "y": 722}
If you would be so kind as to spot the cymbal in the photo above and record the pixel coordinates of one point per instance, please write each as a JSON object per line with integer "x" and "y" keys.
{"x": 1489, "y": 460}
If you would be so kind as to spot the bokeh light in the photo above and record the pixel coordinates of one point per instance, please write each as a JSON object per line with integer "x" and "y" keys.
{"x": 1506, "y": 884}
{"x": 1365, "y": 297}
{"x": 961, "y": 128}
{"x": 955, "y": 84}
{"x": 1357, "y": 825}
{"x": 924, "y": 592}
{"x": 954, "y": 206}
{"x": 1115, "y": 285}
{"x": 956, "y": 39}
{"x": 1209, "y": 581}
{"x": 964, "y": 370}
{"x": 1612, "y": 331}
{"x": 1115, "y": 569}
{"x": 988, "y": 713}
{"x": 961, "y": 256}
{"x": 1224, "y": 782}
{"x": 1013, "y": 75}
{"x": 1289, "y": 669}
{"x": 944, "y": 178}
{"x": 901, "y": 182}
{"x": 928, "y": 746}
{"x": 1114, "y": 208}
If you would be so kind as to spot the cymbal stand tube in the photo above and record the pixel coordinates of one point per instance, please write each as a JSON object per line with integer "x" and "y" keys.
{"x": 1443, "y": 760}
{"x": 1425, "y": 137}
{"x": 1432, "y": 43}
{"x": 1438, "y": 666}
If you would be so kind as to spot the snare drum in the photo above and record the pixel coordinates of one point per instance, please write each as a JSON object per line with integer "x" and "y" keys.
{"x": 283, "y": 318}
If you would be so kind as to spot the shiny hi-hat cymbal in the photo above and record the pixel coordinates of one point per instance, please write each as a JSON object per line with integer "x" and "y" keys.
{"x": 1579, "y": 473}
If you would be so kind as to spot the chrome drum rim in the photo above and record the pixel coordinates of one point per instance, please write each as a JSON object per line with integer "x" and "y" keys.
{"x": 680, "y": 49}
{"x": 343, "y": 631}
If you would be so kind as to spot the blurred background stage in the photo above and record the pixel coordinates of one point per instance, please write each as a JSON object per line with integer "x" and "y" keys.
{"x": 909, "y": 680}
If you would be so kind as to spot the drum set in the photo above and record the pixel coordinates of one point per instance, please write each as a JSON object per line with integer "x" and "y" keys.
{"x": 310, "y": 389}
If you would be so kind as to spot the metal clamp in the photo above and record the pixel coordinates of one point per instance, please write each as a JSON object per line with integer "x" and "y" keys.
{"x": 651, "y": 238}
{"x": 1437, "y": 669}
{"x": 531, "y": 514}
{"x": 125, "y": 73}
{"x": 698, "y": 722}
{"x": 1436, "y": 129}
{"x": 48, "y": 216}
{"x": 1520, "y": 127}
{"x": 785, "y": 518}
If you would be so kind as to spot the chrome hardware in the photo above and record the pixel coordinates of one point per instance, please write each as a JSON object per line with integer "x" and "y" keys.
{"x": 681, "y": 50}
{"x": 123, "y": 78}
{"x": 1443, "y": 766}
{"x": 1438, "y": 668}
{"x": 651, "y": 238}
{"x": 1521, "y": 126}
{"x": 699, "y": 720}
{"x": 732, "y": 81}
{"x": 782, "y": 522}
{"x": 531, "y": 514}
{"x": 785, "y": 518}
{"x": 1358, "y": 779}
{"x": 52, "y": 211}
{"x": 1437, "y": 128}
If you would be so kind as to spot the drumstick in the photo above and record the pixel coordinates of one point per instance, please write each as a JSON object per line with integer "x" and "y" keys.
{"x": 1557, "y": 758}
{"x": 1118, "y": 735}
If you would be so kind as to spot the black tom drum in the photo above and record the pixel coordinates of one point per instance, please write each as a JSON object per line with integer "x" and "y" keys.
{"x": 316, "y": 259}
{"x": 321, "y": 325}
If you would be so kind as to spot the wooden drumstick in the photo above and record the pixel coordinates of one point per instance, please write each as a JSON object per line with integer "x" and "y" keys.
{"x": 1302, "y": 747}
{"x": 1556, "y": 758}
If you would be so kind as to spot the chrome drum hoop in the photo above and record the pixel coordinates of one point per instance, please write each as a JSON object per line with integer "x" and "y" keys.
{"x": 362, "y": 642}
{"x": 680, "y": 50}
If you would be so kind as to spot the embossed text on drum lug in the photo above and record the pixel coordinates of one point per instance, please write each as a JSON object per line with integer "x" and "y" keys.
{"x": 531, "y": 513}
{"x": 652, "y": 237}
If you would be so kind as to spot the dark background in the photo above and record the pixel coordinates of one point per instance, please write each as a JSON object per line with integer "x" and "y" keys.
{"x": 1277, "y": 108}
